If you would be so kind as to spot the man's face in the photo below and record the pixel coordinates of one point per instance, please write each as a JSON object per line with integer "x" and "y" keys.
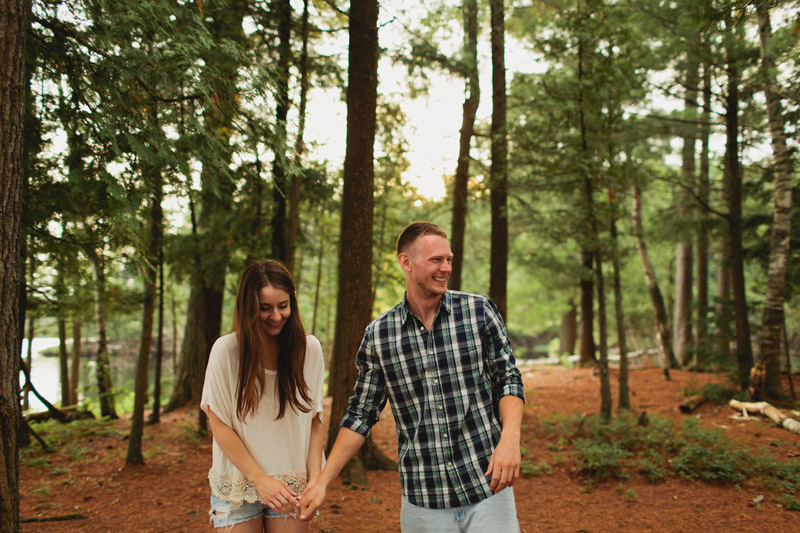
{"x": 428, "y": 264}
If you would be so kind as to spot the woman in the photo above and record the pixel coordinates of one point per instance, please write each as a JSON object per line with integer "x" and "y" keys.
{"x": 263, "y": 398}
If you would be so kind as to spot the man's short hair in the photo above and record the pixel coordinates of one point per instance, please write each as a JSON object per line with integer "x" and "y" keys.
{"x": 414, "y": 231}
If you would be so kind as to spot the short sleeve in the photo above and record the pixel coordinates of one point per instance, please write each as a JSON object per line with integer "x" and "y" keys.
{"x": 218, "y": 387}
{"x": 315, "y": 373}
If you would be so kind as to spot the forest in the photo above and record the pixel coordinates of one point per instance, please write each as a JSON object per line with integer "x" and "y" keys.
{"x": 618, "y": 176}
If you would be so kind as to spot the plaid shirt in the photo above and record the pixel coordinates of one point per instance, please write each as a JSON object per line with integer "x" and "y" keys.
{"x": 443, "y": 386}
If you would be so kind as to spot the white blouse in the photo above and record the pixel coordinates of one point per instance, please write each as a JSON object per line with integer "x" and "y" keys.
{"x": 279, "y": 447}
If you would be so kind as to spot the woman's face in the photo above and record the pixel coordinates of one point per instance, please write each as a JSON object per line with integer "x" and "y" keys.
{"x": 274, "y": 308}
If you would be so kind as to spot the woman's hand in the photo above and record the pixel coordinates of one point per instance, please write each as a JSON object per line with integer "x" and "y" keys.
{"x": 277, "y": 495}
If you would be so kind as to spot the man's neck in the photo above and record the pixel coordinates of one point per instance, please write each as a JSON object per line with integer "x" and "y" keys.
{"x": 424, "y": 307}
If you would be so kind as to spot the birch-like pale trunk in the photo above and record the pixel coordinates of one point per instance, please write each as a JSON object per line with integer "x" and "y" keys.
{"x": 772, "y": 316}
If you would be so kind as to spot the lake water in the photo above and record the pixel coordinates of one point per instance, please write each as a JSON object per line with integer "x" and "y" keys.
{"x": 45, "y": 374}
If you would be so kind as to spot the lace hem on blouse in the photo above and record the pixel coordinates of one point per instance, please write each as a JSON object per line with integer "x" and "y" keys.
{"x": 235, "y": 489}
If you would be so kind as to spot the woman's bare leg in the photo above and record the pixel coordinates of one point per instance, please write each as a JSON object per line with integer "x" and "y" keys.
{"x": 285, "y": 525}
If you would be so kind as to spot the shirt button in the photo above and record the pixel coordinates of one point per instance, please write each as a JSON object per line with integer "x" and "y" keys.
{"x": 440, "y": 407}
{"x": 449, "y": 464}
{"x": 436, "y": 381}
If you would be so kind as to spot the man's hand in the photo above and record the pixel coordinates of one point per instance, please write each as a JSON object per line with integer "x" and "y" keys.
{"x": 311, "y": 500}
{"x": 277, "y": 495}
{"x": 504, "y": 466}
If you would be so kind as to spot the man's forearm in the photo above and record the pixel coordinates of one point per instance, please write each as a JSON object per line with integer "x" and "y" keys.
{"x": 511, "y": 416}
{"x": 347, "y": 444}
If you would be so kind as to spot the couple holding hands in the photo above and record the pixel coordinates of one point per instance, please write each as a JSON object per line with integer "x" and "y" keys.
{"x": 443, "y": 360}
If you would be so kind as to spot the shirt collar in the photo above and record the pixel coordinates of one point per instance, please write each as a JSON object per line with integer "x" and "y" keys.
{"x": 445, "y": 305}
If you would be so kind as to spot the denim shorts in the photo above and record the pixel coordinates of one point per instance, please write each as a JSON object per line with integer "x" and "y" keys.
{"x": 497, "y": 513}
{"x": 224, "y": 514}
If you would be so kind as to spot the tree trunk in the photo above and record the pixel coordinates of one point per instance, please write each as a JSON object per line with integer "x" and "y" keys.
{"x": 772, "y": 317}
{"x": 702, "y": 345}
{"x": 624, "y": 392}
{"x": 214, "y": 243}
{"x": 498, "y": 276}
{"x": 155, "y": 416}
{"x": 105, "y": 391}
{"x": 283, "y": 12}
{"x": 469, "y": 110}
{"x": 14, "y": 24}
{"x": 353, "y": 312}
{"x": 29, "y": 359}
{"x": 75, "y": 362}
{"x": 683, "y": 275}
{"x": 587, "y": 311}
{"x": 733, "y": 180}
{"x": 594, "y": 242}
{"x": 134, "y": 456}
{"x": 569, "y": 330}
{"x": 294, "y": 196}
{"x": 663, "y": 332}
{"x": 723, "y": 308}
{"x": 63, "y": 360}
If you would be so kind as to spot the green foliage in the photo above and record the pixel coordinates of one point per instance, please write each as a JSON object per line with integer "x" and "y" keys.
{"x": 621, "y": 447}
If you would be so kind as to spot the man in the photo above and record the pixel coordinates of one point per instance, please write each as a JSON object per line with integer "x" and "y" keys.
{"x": 444, "y": 361}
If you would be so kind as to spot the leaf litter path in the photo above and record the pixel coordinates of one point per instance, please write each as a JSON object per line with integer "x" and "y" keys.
{"x": 170, "y": 492}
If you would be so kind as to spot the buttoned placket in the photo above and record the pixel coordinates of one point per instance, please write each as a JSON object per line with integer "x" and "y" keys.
{"x": 440, "y": 419}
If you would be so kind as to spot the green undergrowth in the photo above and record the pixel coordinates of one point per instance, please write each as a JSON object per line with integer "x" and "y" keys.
{"x": 656, "y": 448}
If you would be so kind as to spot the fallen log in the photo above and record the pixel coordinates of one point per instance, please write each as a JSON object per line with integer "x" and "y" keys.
{"x": 690, "y": 403}
{"x": 67, "y": 414}
{"x": 59, "y": 518}
{"x": 770, "y": 412}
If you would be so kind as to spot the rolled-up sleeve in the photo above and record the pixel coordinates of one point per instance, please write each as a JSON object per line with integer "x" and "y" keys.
{"x": 506, "y": 377}
{"x": 369, "y": 393}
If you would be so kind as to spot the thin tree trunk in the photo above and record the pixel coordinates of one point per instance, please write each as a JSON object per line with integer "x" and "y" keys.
{"x": 684, "y": 264}
{"x": 723, "y": 308}
{"x": 105, "y": 391}
{"x": 593, "y": 238}
{"x": 318, "y": 280}
{"x": 29, "y": 359}
{"x": 772, "y": 319}
{"x": 14, "y": 24}
{"x": 569, "y": 330}
{"x": 702, "y": 345}
{"x": 155, "y": 416}
{"x": 733, "y": 178}
{"x": 134, "y": 456}
{"x": 624, "y": 392}
{"x": 283, "y": 12}
{"x": 498, "y": 180}
{"x": 663, "y": 332}
{"x": 75, "y": 374}
{"x": 353, "y": 312}
{"x": 587, "y": 312}
{"x": 294, "y": 195}
{"x": 63, "y": 361}
{"x": 469, "y": 110}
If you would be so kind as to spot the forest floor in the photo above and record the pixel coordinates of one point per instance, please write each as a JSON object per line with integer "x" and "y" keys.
{"x": 86, "y": 476}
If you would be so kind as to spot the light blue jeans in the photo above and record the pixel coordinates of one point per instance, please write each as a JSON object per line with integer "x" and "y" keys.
{"x": 497, "y": 513}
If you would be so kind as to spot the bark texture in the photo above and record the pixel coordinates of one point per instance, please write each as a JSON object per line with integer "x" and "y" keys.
{"x": 732, "y": 177}
{"x": 13, "y": 27}
{"x": 469, "y": 110}
{"x": 353, "y": 309}
{"x": 663, "y": 330}
{"x": 498, "y": 180}
{"x": 772, "y": 318}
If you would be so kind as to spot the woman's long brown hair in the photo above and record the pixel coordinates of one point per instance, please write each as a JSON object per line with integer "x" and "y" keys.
{"x": 290, "y": 384}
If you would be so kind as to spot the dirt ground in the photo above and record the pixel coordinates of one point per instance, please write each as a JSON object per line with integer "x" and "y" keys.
{"x": 170, "y": 492}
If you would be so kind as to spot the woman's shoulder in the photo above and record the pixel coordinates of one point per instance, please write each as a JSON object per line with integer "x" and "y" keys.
{"x": 313, "y": 344}
{"x": 313, "y": 349}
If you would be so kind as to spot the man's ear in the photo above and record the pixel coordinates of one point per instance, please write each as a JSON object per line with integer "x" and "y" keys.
{"x": 405, "y": 261}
